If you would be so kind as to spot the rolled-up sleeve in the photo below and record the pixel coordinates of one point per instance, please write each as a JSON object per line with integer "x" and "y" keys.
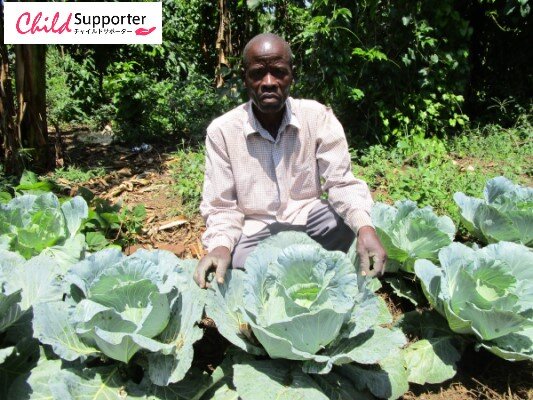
{"x": 350, "y": 197}
{"x": 224, "y": 220}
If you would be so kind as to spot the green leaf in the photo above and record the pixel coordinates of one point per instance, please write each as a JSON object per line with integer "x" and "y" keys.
{"x": 38, "y": 278}
{"x": 198, "y": 385}
{"x": 49, "y": 381}
{"x": 338, "y": 387}
{"x": 389, "y": 381}
{"x": 75, "y": 211}
{"x": 370, "y": 347}
{"x": 222, "y": 305}
{"x": 5, "y": 197}
{"x": 409, "y": 233}
{"x": 275, "y": 379}
{"x": 10, "y": 310}
{"x": 96, "y": 241}
{"x": 483, "y": 292}
{"x": 505, "y": 213}
{"x": 16, "y": 361}
{"x": 403, "y": 287}
{"x": 181, "y": 333}
{"x": 52, "y": 326}
{"x": 516, "y": 346}
{"x": 431, "y": 360}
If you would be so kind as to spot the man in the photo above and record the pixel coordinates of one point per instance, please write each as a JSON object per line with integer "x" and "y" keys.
{"x": 267, "y": 164}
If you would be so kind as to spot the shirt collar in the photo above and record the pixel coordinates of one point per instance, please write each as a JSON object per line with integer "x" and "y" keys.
{"x": 252, "y": 125}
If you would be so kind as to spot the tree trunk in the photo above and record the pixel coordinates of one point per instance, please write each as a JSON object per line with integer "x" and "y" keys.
{"x": 9, "y": 138}
{"x": 223, "y": 43}
{"x": 30, "y": 81}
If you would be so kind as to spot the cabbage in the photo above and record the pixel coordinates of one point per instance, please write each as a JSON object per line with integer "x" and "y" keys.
{"x": 505, "y": 213}
{"x": 30, "y": 225}
{"x": 487, "y": 293}
{"x": 409, "y": 233}
{"x": 122, "y": 305}
{"x": 297, "y": 301}
{"x": 25, "y": 283}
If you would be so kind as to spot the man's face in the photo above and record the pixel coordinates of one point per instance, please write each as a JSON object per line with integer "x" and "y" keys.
{"x": 268, "y": 75}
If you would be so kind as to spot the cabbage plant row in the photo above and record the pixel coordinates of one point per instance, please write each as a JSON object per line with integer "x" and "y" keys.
{"x": 301, "y": 321}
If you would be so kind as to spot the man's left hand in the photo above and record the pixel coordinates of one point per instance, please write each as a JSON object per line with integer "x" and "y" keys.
{"x": 369, "y": 249}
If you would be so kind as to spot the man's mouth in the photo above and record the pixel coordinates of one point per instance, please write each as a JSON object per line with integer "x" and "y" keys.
{"x": 269, "y": 96}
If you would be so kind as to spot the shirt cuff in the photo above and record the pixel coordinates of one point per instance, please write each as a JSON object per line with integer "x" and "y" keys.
{"x": 359, "y": 219}
{"x": 218, "y": 241}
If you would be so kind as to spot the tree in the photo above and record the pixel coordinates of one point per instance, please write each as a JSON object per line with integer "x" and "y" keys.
{"x": 23, "y": 126}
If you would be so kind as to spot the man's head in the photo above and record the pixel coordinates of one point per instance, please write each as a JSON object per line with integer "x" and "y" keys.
{"x": 268, "y": 72}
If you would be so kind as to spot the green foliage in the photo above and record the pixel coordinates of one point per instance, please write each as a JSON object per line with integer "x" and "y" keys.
{"x": 112, "y": 224}
{"x": 125, "y": 305}
{"x": 439, "y": 168}
{"x": 139, "y": 100}
{"x": 39, "y": 224}
{"x": 409, "y": 233}
{"x": 504, "y": 213}
{"x": 195, "y": 103}
{"x": 402, "y": 69}
{"x": 307, "y": 304}
{"x": 83, "y": 80}
{"x": 76, "y": 174}
{"x": 62, "y": 104}
{"x": 486, "y": 293}
{"x": 187, "y": 171}
{"x": 148, "y": 109}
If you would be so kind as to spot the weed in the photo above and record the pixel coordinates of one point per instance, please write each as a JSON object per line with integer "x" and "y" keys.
{"x": 76, "y": 174}
{"x": 187, "y": 171}
{"x": 430, "y": 171}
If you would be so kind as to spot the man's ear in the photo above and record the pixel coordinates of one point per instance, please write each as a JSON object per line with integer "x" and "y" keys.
{"x": 293, "y": 70}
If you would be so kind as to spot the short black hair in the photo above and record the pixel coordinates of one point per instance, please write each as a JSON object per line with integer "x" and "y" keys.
{"x": 265, "y": 36}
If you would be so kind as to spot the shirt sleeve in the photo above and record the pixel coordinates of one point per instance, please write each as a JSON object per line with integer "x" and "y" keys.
{"x": 223, "y": 217}
{"x": 349, "y": 197}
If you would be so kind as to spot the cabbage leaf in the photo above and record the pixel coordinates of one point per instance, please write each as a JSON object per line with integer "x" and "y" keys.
{"x": 122, "y": 305}
{"x": 409, "y": 233}
{"x": 486, "y": 293}
{"x": 504, "y": 214}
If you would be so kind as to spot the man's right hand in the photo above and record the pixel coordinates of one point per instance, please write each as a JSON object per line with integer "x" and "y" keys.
{"x": 218, "y": 260}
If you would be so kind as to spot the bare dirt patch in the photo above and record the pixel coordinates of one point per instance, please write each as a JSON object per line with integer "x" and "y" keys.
{"x": 134, "y": 178}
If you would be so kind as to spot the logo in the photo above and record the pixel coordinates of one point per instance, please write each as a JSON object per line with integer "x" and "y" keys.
{"x": 82, "y": 23}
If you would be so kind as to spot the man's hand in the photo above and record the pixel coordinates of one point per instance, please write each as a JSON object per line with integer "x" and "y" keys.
{"x": 369, "y": 247}
{"x": 218, "y": 260}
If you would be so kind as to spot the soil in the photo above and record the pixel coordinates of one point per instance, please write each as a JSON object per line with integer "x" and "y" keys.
{"x": 144, "y": 178}
{"x": 132, "y": 179}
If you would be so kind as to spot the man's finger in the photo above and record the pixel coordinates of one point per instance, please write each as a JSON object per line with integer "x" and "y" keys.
{"x": 200, "y": 276}
{"x": 379, "y": 264}
{"x": 364, "y": 263}
{"x": 222, "y": 267}
{"x": 201, "y": 272}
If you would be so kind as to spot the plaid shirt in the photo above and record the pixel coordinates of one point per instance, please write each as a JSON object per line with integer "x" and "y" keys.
{"x": 252, "y": 180}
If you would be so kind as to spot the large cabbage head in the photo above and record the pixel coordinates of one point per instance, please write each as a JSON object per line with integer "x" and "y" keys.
{"x": 409, "y": 233}
{"x": 32, "y": 224}
{"x": 123, "y": 305}
{"x": 487, "y": 293}
{"x": 302, "y": 302}
{"x": 504, "y": 214}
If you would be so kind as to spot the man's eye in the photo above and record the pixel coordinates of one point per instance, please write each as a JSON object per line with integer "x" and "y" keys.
{"x": 279, "y": 73}
{"x": 256, "y": 74}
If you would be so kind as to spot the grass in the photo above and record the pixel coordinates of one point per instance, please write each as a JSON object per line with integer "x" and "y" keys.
{"x": 76, "y": 174}
{"x": 187, "y": 172}
{"x": 430, "y": 171}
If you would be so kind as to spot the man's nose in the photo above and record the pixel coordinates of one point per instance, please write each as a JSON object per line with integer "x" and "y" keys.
{"x": 268, "y": 81}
